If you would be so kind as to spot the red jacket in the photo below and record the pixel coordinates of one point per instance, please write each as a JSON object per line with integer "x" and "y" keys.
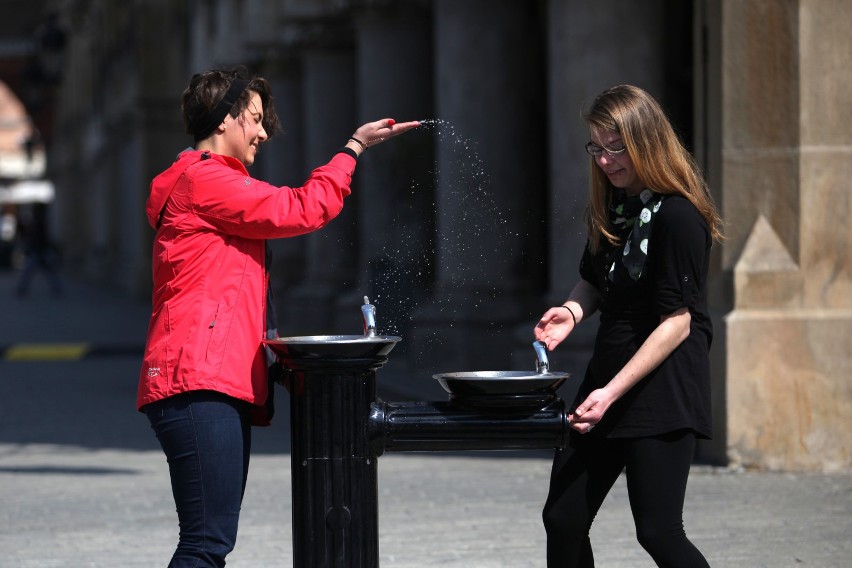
{"x": 208, "y": 317}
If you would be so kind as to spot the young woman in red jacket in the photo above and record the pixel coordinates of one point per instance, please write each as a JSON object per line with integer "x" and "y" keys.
{"x": 203, "y": 380}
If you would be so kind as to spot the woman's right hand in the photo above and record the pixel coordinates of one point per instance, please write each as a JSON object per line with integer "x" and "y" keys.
{"x": 373, "y": 133}
{"x": 554, "y": 326}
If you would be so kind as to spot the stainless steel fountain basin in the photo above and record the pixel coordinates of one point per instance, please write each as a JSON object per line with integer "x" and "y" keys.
{"x": 312, "y": 346}
{"x": 475, "y": 383}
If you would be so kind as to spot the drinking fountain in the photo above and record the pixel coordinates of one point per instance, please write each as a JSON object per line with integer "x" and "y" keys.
{"x": 339, "y": 429}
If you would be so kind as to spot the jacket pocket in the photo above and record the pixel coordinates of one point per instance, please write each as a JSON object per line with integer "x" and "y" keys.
{"x": 215, "y": 335}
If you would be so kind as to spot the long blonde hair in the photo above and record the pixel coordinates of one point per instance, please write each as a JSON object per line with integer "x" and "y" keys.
{"x": 660, "y": 159}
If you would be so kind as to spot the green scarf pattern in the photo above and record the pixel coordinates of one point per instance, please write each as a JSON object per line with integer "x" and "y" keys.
{"x": 632, "y": 218}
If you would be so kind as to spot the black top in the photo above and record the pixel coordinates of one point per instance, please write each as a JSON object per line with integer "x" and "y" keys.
{"x": 676, "y": 394}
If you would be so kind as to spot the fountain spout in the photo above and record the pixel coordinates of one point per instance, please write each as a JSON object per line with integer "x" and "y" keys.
{"x": 369, "y": 311}
{"x": 542, "y": 365}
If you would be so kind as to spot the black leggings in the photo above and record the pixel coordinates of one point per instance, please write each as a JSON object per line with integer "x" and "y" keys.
{"x": 657, "y": 469}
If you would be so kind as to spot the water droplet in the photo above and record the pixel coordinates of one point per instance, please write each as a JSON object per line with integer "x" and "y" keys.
{"x": 472, "y": 227}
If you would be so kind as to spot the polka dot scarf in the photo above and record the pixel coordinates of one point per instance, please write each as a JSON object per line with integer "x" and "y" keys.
{"x": 631, "y": 219}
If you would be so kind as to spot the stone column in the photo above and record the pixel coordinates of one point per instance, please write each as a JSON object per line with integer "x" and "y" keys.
{"x": 118, "y": 125}
{"x": 489, "y": 73}
{"x": 328, "y": 99}
{"x": 707, "y": 149}
{"x": 395, "y": 179}
{"x": 282, "y": 162}
{"x": 580, "y": 66}
{"x": 787, "y": 161}
{"x": 160, "y": 136}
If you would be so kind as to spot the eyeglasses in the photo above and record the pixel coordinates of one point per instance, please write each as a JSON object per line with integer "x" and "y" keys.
{"x": 595, "y": 150}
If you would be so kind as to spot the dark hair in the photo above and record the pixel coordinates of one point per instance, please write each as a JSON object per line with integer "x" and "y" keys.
{"x": 206, "y": 90}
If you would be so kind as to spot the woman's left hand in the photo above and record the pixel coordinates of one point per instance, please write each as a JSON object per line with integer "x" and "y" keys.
{"x": 376, "y": 132}
{"x": 591, "y": 411}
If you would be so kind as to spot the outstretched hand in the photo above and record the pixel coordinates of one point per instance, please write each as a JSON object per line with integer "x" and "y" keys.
{"x": 376, "y": 132}
{"x": 553, "y": 327}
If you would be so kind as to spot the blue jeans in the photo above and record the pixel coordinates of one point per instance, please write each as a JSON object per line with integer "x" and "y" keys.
{"x": 206, "y": 437}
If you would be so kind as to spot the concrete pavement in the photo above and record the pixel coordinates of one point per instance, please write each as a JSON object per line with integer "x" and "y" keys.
{"x": 83, "y": 482}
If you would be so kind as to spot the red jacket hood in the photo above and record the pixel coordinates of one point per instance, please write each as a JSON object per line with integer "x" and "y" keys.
{"x": 164, "y": 183}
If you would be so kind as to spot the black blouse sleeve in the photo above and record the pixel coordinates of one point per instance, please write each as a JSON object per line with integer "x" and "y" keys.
{"x": 587, "y": 270}
{"x": 680, "y": 246}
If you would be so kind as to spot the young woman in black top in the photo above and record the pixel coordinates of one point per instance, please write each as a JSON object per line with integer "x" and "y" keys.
{"x": 645, "y": 397}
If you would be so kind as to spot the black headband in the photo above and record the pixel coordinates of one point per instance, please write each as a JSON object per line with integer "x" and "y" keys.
{"x": 215, "y": 118}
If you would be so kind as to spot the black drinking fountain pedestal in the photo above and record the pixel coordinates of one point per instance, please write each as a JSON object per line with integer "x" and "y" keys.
{"x": 339, "y": 428}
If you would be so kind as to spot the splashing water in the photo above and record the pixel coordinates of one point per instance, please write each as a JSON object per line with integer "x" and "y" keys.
{"x": 469, "y": 238}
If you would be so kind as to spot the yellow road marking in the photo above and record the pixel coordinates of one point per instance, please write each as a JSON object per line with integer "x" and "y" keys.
{"x": 46, "y": 351}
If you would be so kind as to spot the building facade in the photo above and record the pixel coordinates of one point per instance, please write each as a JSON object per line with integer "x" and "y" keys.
{"x": 465, "y": 231}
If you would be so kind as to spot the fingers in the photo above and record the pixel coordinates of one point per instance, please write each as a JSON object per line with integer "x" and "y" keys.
{"x": 542, "y": 334}
{"x": 394, "y": 128}
{"x": 589, "y": 412}
{"x": 589, "y": 405}
{"x": 546, "y": 320}
{"x": 376, "y": 132}
{"x": 548, "y": 329}
{"x": 394, "y": 125}
{"x": 383, "y": 123}
{"x": 580, "y": 423}
{"x": 583, "y": 427}
{"x": 540, "y": 328}
{"x": 553, "y": 315}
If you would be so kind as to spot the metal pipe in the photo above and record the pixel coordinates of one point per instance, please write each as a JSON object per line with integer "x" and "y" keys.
{"x": 368, "y": 310}
{"x": 440, "y": 426}
{"x": 339, "y": 428}
{"x": 334, "y": 472}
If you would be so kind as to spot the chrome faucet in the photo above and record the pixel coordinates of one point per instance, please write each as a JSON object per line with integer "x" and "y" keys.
{"x": 542, "y": 365}
{"x": 369, "y": 311}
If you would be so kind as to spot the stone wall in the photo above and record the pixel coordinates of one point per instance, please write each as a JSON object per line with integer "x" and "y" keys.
{"x": 787, "y": 164}
{"x": 462, "y": 234}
